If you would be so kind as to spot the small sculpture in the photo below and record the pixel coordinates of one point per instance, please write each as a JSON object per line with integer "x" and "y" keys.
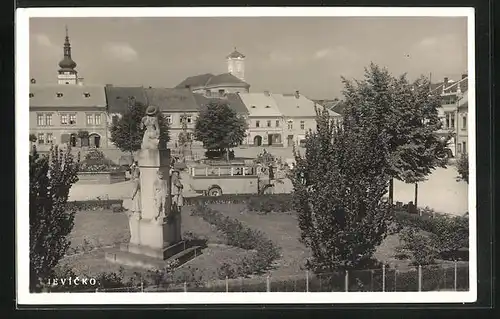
{"x": 177, "y": 187}
{"x": 160, "y": 195}
{"x": 151, "y": 136}
{"x": 135, "y": 211}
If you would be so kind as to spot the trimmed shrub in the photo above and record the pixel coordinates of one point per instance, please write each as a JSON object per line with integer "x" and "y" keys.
{"x": 112, "y": 204}
{"x": 239, "y": 235}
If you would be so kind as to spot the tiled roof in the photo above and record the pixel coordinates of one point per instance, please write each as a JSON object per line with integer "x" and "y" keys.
{"x": 172, "y": 100}
{"x": 291, "y": 106}
{"x": 66, "y": 95}
{"x": 338, "y": 107}
{"x": 451, "y": 86}
{"x": 232, "y": 99}
{"x": 260, "y": 104}
{"x": 118, "y": 97}
{"x": 210, "y": 80}
{"x": 235, "y": 55}
{"x": 195, "y": 81}
{"x": 464, "y": 101}
{"x": 225, "y": 78}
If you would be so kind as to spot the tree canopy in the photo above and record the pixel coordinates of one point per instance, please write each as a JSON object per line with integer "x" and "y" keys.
{"x": 219, "y": 127}
{"x": 407, "y": 112}
{"x": 338, "y": 187}
{"x": 126, "y": 132}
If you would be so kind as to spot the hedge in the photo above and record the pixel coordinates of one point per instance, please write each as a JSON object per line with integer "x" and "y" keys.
{"x": 95, "y": 204}
{"x": 241, "y": 236}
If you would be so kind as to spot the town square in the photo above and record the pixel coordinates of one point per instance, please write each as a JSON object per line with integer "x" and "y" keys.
{"x": 290, "y": 154}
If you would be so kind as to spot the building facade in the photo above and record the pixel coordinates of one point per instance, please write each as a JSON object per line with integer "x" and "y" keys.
{"x": 462, "y": 125}
{"x": 451, "y": 92}
{"x": 265, "y": 121}
{"x": 236, "y": 64}
{"x": 68, "y": 112}
{"x": 75, "y": 114}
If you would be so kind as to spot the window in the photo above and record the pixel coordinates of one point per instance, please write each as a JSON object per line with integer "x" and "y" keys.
{"x": 64, "y": 119}
{"x": 32, "y": 95}
{"x": 302, "y": 125}
{"x": 97, "y": 119}
{"x": 189, "y": 119}
{"x": 447, "y": 122}
{"x": 40, "y": 120}
{"x": 459, "y": 148}
{"x": 59, "y": 94}
{"x": 50, "y": 138}
{"x": 40, "y": 138}
{"x": 464, "y": 122}
{"x": 464, "y": 147}
{"x": 48, "y": 119}
{"x": 208, "y": 93}
{"x": 452, "y": 118}
{"x": 221, "y": 92}
{"x": 257, "y": 123}
{"x": 277, "y": 123}
{"x": 72, "y": 119}
{"x": 169, "y": 119}
{"x": 269, "y": 123}
{"x": 90, "y": 119}
{"x": 290, "y": 126}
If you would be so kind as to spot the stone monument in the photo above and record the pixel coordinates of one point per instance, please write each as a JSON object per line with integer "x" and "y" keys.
{"x": 155, "y": 225}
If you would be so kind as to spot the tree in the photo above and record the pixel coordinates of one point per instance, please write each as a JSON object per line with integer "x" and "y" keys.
{"x": 126, "y": 132}
{"x": 339, "y": 184}
{"x": 33, "y": 138}
{"x": 83, "y": 136}
{"x": 463, "y": 167}
{"x": 51, "y": 177}
{"x": 219, "y": 128}
{"x": 407, "y": 112}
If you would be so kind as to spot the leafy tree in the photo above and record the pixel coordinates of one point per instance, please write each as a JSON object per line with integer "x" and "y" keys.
{"x": 339, "y": 184}
{"x": 407, "y": 112}
{"x": 126, "y": 132}
{"x": 219, "y": 128}
{"x": 84, "y": 137}
{"x": 463, "y": 167}
{"x": 51, "y": 177}
{"x": 33, "y": 138}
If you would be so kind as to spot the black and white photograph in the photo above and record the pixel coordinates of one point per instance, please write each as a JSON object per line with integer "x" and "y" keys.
{"x": 245, "y": 155}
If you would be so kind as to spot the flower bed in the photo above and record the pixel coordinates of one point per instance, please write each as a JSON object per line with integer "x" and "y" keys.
{"x": 85, "y": 205}
{"x": 239, "y": 235}
{"x": 97, "y": 169}
{"x": 110, "y": 177}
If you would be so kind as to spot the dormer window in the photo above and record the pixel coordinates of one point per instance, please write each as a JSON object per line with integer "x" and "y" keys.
{"x": 86, "y": 94}
{"x": 298, "y": 106}
{"x": 267, "y": 107}
{"x": 32, "y": 95}
{"x": 59, "y": 94}
{"x": 253, "y": 106}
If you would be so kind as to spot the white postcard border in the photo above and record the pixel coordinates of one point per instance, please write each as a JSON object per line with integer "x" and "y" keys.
{"x": 24, "y": 297}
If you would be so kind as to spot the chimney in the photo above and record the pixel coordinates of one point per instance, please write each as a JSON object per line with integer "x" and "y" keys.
{"x": 445, "y": 80}
{"x": 80, "y": 81}
{"x": 464, "y": 76}
{"x": 297, "y": 94}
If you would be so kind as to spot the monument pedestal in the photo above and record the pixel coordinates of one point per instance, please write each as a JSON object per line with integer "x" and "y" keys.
{"x": 154, "y": 241}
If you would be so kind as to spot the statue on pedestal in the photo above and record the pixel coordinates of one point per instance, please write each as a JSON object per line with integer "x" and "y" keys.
{"x": 151, "y": 136}
{"x": 160, "y": 195}
{"x": 177, "y": 187}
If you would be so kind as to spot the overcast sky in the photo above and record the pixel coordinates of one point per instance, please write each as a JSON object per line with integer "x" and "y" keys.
{"x": 283, "y": 54}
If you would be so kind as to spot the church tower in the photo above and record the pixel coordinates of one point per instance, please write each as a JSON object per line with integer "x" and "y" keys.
{"x": 236, "y": 64}
{"x": 67, "y": 73}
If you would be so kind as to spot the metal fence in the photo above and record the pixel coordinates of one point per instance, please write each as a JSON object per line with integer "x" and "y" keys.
{"x": 452, "y": 277}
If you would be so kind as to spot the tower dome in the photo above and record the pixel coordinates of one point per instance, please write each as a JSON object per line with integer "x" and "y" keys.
{"x": 67, "y": 62}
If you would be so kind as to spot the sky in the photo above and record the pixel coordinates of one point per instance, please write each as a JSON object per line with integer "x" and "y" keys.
{"x": 283, "y": 55}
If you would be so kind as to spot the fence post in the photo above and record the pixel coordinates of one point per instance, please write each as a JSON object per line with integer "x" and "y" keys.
{"x": 383, "y": 277}
{"x": 227, "y": 284}
{"x": 307, "y": 280}
{"x": 268, "y": 284}
{"x": 455, "y": 277}
{"x": 371, "y": 280}
{"x": 185, "y": 287}
{"x": 395, "y": 279}
{"x": 142, "y": 286}
{"x": 419, "y": 278}
{"x": 346, "y": 281}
